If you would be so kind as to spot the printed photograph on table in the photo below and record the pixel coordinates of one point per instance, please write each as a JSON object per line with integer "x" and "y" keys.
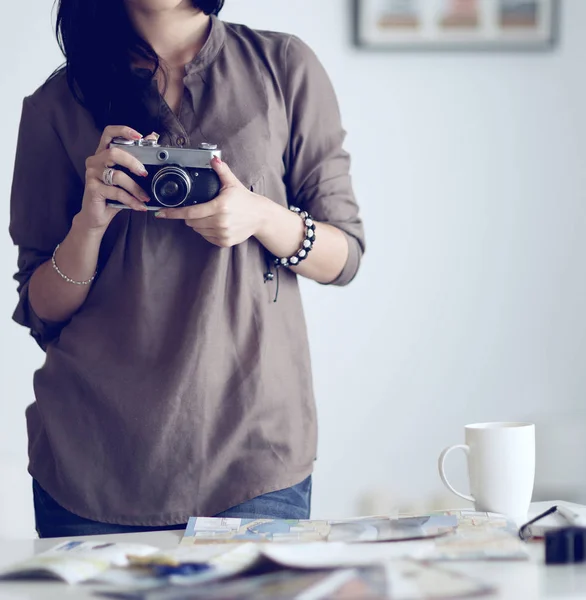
{"x": 499, "y": 25}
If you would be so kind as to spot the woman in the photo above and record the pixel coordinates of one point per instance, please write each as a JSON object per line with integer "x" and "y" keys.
{"x": 177, "y": 379}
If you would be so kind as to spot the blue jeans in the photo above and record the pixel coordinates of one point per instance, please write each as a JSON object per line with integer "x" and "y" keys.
{"x": 52, "y": 520}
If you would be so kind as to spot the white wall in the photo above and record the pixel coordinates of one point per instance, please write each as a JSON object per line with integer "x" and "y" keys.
{"x": 470, "y": 305}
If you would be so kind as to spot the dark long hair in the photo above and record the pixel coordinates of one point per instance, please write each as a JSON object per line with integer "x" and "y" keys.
{"x": 100, "y": 45}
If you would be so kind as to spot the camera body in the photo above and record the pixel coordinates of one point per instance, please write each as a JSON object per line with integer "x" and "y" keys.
{"x": 177, "y": 176}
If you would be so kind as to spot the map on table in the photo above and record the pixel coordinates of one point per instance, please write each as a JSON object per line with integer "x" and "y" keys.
{"x": 369, "y": 529}
{"x": 480, "y": 536}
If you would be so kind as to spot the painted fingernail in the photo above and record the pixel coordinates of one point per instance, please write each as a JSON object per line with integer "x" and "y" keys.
{"x": 218, "y": 160}
{"x": 144, "y": 198}
{"x": 144, "y": 172}
{"x": 160, "y": 215}
{"x": 136, "y": 136}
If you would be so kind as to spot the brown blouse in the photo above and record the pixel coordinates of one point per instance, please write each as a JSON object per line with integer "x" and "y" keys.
{"x": 180, "y": 388}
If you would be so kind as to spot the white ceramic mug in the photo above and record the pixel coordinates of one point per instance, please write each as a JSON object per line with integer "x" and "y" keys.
{"x": 501, "y": 467}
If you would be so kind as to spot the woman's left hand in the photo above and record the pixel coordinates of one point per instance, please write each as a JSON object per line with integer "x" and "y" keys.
{"x": 235, "y": 215}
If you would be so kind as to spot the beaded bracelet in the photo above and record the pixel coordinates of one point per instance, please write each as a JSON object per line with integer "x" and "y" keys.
{"x": 68, "y": 279}
{"x": 307, "y": 244}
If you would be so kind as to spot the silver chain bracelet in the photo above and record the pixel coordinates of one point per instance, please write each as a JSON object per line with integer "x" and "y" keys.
{"x": 63, "y": 276}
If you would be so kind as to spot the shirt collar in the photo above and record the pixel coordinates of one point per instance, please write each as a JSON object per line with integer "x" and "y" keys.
{"x": 206, "y": 55}
{"x": 211, "y": 48}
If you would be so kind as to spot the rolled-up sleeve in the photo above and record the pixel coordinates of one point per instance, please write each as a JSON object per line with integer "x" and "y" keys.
{"x": 46, "y": 194}
{"x": 317, "y": 166}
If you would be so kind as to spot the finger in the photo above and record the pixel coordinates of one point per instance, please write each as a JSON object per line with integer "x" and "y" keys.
{"x": 117, "y": 157}
{"x": 193, "y": 224}
{"x": 199, "y": 211}
{"x": 212, "y": 223}
{"x": 113, "y": 131}
{"x": 222, "y": 239}
{"x": 124, "y": 181}
{"x": 227, "y": 178}
{"x": 122, "y": 196}
{"x": 119, "y": 179}
{"x": 212, "y": 240}
{"x": 113, "y": 157}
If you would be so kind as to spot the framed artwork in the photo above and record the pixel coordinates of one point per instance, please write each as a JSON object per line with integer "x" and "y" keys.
{"x": 456, "y": 24}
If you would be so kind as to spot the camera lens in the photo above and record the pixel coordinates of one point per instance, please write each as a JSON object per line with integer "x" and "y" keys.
{"x": 169, "y": 189}
{"x": 171, "y": 186}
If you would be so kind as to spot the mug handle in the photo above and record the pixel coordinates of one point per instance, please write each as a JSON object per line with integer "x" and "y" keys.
{"x": 442, "y": 473}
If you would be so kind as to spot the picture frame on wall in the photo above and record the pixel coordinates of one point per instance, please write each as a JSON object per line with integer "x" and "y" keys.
{"x": 499, "y": 25}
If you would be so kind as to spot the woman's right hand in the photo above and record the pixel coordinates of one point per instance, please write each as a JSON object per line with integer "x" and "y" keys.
{"x": 95, "y": 213}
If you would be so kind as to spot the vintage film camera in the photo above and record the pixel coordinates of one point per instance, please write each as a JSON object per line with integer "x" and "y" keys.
{"x": 177, "y": 176}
